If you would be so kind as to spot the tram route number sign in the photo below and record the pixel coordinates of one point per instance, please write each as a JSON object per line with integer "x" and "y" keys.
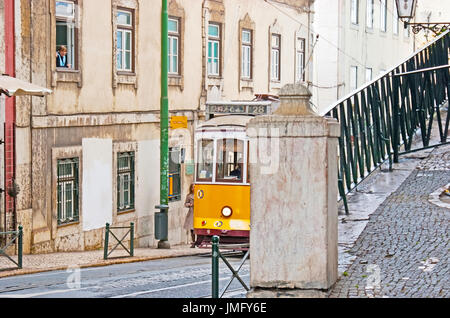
{"x": 237, "y": 109}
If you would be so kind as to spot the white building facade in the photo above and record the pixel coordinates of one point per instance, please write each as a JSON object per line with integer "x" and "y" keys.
{"x": 358, "y": 41}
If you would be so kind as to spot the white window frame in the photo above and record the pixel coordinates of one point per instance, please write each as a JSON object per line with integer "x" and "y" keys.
{"x": 126, "y": 182}
{"x": 68, "y": 184}
{"x": 246, "y": 55}
{"x": 383, "y": 15}
{"x": 369, "y": 13}
{"x": 125, "y": 30}
{"x": 70, "y": 22}
{"x": 214, "y": 42}
{"x": 369, "y": 74}
{"x": 174, "y": 39}
{"x": 354, "y": 12}
{"x": 300, "y": 60}
{"x": 395, "y": 20}
{"x": 275, "y": 61}
{"x": 124, "y": 190}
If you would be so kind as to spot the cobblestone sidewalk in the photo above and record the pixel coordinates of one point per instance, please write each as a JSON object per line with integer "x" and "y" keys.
{"x": 62, "y": 261}
{"x": 404, "y": 249}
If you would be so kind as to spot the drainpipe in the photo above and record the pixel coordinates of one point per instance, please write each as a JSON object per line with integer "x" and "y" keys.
{"x": 9, "y": 128}
{"x": 161, "y": 218}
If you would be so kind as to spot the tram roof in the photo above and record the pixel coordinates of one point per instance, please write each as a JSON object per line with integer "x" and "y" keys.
{"x": 228, "y": 120}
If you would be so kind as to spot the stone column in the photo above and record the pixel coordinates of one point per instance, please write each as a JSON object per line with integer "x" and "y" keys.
{"x": 293, "y": 236}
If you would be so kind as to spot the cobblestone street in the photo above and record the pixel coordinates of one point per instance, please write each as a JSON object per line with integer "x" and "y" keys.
{"x": 404, "y": 249}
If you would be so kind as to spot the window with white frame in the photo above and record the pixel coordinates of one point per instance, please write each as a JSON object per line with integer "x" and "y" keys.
{"x": 354, "y": 11}
{"x": 66, "y": 36}
{"x": 125, "y": 181}
{"x": 246, "y": 54}
{"x": 174, "y": 46}
{"x": 368, "y": 74}
{"x": 353, "y": 77}
{"x": 214, "y": 46}
{"x": 67, "y": 190}
{"x": 369, "y": 13}
{"x": 383, "y": 15}
{"x": 395, "y": 19}
{"x": 275, "y": 57}
{"x": 300, "y": 60}
{"x": 125, "y": 38}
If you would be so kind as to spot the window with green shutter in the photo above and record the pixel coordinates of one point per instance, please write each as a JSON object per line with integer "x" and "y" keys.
{"x": 68, "y": 190}
{"x": 125, "y": 181}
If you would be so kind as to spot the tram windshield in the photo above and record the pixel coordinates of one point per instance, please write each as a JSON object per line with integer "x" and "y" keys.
{"x": 205, "y": 159}
{"x": 230, "y": 158}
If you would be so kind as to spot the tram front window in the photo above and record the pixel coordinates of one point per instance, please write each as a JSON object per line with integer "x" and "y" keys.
{"x": 205, "y": 160}
{"x": 230, "y": 158}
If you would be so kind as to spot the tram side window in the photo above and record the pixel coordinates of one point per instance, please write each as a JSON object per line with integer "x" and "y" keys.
{"x": 205, "y": 160}
{"x": 230, "y": 158}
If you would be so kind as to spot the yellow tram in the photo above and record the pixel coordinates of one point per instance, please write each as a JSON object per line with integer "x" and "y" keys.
{"x": 222, "y": 179}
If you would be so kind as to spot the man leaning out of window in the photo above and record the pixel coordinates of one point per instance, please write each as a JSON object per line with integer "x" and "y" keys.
{"x": 61, "y": 57}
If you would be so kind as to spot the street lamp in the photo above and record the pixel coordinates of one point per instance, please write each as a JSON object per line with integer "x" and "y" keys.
{"x": 406, "y": 10}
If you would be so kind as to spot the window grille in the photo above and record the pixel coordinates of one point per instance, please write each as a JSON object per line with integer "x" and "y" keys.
{"x": 67, "y": 190}
{"x": 125, "y": 181}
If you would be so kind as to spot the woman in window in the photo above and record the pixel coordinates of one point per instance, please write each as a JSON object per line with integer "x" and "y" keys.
{"x": 61, "y": 57}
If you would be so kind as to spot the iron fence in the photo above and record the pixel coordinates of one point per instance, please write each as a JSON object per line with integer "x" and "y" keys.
{"x": 14, "y": 236}
{"x": 380, "y": 121}
{"x": 216, "y": 255}
{"x": 108, "y": 231}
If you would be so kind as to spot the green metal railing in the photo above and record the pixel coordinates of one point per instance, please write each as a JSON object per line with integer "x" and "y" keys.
{"x": 119, "y": 242}
{"x": 216, "y": 254}
{"x": 16, "y": 235}
{"x": 384, "y": 116}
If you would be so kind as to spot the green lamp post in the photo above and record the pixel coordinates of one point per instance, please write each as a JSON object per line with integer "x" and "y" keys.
{"x": 161, "y": 218}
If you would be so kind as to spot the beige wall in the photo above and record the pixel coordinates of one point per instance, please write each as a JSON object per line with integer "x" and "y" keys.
{"x": 94, "y": 101}
{"x": 98, "y": 95}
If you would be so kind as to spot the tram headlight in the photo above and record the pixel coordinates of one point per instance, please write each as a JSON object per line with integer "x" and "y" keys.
{"x": 227, "y": 211}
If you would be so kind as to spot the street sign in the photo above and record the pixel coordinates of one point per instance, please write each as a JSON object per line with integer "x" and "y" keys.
{"x": 177, "y": 122}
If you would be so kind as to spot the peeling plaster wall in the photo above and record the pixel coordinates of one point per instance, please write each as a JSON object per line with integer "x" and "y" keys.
{"x": 92, "y": 102}
{"x": 97, "y": 93}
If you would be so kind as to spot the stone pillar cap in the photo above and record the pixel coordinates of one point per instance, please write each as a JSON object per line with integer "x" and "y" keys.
{"x": 294, "y": 90}
{"x": 295, "y": 101}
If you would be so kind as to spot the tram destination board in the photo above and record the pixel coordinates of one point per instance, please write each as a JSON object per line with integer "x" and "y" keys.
{"x": 238, "y": 109}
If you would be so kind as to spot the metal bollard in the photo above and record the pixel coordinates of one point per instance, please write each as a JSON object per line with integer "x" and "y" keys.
{"x": 105, "y": 253}
{"x": 131, "y": 239}
{"x": 20, "y": 247}
{"x": 215, "y": 266}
